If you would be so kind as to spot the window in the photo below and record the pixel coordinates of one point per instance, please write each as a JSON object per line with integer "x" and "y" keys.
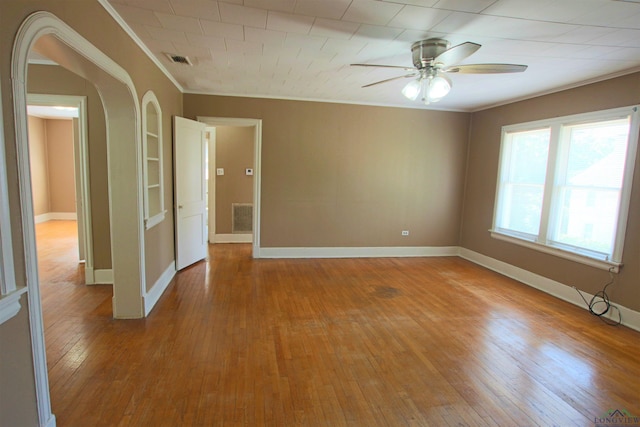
{"x": 564, "y": 185}
{"x": 152, "y": 165}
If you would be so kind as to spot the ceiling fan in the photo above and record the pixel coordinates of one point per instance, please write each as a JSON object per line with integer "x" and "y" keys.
{"x": 432, "y": 59}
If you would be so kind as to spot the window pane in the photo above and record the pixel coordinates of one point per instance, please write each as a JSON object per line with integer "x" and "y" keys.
{"x": 524, "y": 166}
{"x": 523, "y": 206}
{"x": 587, "y": 218}
{"x": 596, "y": 154}
{"x": 589, "y": 185}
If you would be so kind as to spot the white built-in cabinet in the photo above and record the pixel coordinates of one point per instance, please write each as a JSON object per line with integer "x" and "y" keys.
{"x": 154, "y": 210}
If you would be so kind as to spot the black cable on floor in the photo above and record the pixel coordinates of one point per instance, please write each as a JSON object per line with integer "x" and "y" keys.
{"x": 600, "y": 304}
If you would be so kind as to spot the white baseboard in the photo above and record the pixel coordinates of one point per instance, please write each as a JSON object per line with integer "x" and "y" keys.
{"x": 158, "y": 288}
{"x": 630, "y": 318}
{"x": 102, "y": 277}
{"x": 98, "y": 277}
{"x": 89, "y": 276}
{"x": 51, "y": 216}
{"x": 344, "y": 252}
{"x": 51, "y": 422}
{"x": 233, "y": 238}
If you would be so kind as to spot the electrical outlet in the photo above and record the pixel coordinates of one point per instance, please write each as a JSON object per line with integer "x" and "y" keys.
{"x": 405, "y": 232}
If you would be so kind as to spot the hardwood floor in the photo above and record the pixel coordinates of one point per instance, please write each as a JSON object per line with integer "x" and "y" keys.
{"x": 349, "y": 342}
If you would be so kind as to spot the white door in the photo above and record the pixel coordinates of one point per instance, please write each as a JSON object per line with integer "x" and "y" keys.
{"x": 190, "y": 206}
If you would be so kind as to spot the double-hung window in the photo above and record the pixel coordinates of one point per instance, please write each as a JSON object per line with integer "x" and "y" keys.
{"x": 564, "y": 185}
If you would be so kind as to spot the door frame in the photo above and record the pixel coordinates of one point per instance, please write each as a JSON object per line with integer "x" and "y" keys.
{"x": 81, "y": 150}
{"x": 257, "y": 169}
{"x": 211, "y": 185}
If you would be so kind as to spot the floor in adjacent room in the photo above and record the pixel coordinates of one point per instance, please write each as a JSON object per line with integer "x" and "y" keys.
{"x": 361, "y": 342}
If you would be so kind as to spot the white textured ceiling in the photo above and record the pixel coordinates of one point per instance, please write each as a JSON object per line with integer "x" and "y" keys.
{"x": 301, "y": 49}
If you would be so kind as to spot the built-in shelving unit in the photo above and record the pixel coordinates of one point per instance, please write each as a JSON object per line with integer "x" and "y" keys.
{"x": 152, "y": 152}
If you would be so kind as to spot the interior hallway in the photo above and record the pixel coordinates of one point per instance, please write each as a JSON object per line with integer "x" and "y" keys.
{"x": 366, "y": 342}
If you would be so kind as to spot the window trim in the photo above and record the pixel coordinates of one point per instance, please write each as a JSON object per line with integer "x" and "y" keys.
{"x": 542, "y": 241}
{"x": 152, "y": 220}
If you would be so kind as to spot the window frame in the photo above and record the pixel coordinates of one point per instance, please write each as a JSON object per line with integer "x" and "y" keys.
{"x": 542, "y": 241}
{"x": 152, "y": 218}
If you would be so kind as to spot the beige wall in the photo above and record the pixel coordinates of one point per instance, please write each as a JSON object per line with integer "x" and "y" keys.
{"x": 87, "y": 17}
{"x": 39, "y": 168}
{"x": 234, "y": 153}
{"x": 17, "y": 390}
{"x": 61, "y": 166}
{"x": 336, "y": 175}
{"x": 54, "y": 80}
{"x": 52, "y": 168}
{"x": 484, "y": 149}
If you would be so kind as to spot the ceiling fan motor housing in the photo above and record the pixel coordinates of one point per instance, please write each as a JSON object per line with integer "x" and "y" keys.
{"x": 424, "y": 51}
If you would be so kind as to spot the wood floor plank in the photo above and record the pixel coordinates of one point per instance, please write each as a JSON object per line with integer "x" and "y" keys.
{"x": 337, "y": 342}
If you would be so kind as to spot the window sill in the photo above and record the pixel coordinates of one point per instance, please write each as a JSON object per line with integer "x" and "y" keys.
{"x": 614, "y": 267}
{"x": 154, "y": 220}
{"x": 10, "y": 304}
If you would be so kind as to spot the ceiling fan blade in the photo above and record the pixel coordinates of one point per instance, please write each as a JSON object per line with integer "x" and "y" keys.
{"x": 384, "y": 66}
{"x": 457, "y": 53}
{"x": 485, "y": 68}
{"x": 391, "y": 79}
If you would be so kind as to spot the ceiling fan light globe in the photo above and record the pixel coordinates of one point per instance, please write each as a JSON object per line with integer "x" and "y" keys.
{"x": 412, "y": 89}
{"x": 437, "y": 88}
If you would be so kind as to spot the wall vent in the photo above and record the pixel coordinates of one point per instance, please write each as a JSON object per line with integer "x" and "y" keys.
{"x": 179, "y": 59}
{"x": 241, "y": 218}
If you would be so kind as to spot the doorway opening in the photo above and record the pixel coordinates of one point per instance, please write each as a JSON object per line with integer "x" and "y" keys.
{"x": 63, "y": 158}
{"x": 251, "y": 172}
{"x": 229, "y": 175}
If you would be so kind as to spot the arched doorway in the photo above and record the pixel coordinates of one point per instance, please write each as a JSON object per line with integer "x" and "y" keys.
{"x": 49, "y": 36}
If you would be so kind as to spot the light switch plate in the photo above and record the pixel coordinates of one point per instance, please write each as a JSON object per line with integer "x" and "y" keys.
{"x": 220, "y": 171}
{"x": 248, "y": 171}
